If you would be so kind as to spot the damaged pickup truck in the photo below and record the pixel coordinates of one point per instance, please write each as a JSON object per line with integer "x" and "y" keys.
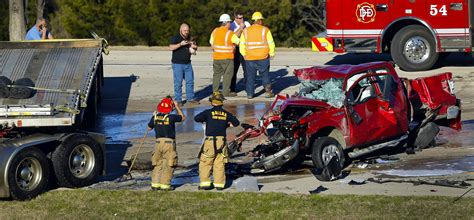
{"x": 347, "y": 111}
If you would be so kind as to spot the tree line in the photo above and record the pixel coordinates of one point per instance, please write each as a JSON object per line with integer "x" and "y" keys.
{"x": 153, "y": 22}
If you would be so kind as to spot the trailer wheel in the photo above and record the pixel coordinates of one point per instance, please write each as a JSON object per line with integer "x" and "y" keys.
{"x": 325, "y": 152}
{"x": 413, "y": 48}
{"x": 28, "y": 174}
{"x": 77, "y": 161}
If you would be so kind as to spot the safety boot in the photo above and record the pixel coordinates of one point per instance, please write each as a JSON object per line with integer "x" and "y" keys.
{"x": 268, "y": 91}
{"x": 204, "y": 188}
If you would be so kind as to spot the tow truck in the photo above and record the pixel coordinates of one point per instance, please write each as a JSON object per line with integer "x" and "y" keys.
{"x": 345, "y": 112}
{"x": 49, "y": 92}
{"x": 415, "y": 32}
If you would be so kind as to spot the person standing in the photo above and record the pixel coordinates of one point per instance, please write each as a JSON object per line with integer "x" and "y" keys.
{"x": 182, "y": 47}
{"x": 238, "y": 26}
{"x": 164, "y": 158}
{"x": 222, "y": 41}
{"x": 213, "y": 155}
{"x": 256, "y": 45}
{"x": 39, "y": 31}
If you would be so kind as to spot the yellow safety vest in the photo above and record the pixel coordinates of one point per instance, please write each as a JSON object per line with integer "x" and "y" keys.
{"x": 222, "y": 45}
{"x": 256, "y": 45}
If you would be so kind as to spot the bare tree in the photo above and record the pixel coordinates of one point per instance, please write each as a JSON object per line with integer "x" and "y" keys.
{"x": 311, "y": 15}
{"x": 40, "y": 8}
{"x": 17, "y": 27}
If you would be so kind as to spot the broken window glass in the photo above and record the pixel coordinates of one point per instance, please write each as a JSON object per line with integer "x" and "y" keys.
{"x": 329, "y": 91}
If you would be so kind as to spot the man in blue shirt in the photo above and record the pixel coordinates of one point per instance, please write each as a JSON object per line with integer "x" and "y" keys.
{"x": 39, "y": 31}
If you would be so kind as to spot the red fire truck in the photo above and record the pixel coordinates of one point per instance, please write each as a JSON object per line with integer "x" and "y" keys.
{"x": 414, "y": 32}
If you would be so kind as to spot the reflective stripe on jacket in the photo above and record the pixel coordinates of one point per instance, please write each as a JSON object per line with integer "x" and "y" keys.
{"x": 222, "y": 45}
{"x": 256, "y": 44}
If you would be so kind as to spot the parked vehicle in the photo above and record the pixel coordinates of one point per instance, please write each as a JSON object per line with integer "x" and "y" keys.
{"x": 415, "y": 33}
{"x": 49, "y": 90}
{"x": 347, "y": 111}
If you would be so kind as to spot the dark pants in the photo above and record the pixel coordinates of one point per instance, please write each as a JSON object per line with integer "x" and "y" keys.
{"x": 263, "y": 67}
{"x": 238, "y": 59}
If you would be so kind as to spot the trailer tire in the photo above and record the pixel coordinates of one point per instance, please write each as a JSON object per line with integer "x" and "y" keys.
{"x": 413, "y": 48}
{"x": 22, "y": 92}
{"x": 78, "y": 161}
{"x": 323, "y": 151}
{"x": 29, "y": 168}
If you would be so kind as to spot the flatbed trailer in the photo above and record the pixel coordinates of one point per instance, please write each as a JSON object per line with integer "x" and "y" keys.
{"x": 41, "y": 134}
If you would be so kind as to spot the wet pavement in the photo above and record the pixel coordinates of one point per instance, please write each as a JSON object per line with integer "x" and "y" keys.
{"x": 123, "y": 131}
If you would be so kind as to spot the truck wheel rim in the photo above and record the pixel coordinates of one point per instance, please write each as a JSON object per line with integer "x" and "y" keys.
{"x": 28, "y": 174}
{"x": 330, "y": 151}
{"x": 417, "y": 49}
{"x": 81, "y": 161}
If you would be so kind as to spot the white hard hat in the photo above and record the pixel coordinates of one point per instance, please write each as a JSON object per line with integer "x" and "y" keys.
{"x": 224, "y": 18}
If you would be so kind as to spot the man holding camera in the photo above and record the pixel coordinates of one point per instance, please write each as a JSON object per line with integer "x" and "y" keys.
{"x": 183, "y": 46}
{"x": 39, "y": 31}
{"x": 164, "y": 158}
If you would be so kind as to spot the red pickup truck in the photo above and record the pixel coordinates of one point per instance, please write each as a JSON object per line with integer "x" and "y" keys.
{"x": 348, "y": 111}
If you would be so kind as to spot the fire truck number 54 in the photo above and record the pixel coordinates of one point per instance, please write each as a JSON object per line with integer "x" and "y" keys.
{"x": 434, "y": 10}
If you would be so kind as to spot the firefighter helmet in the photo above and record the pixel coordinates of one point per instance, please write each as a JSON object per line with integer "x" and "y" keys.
{"x": 165, "y": 106}
{"x": 217, "y": 98}
{"x": 257, "y": 16}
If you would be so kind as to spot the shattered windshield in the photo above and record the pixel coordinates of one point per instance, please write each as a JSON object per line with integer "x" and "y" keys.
{"x": 329, "y": 91}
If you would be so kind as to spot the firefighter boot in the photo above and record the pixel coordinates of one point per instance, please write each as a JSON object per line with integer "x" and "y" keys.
{"x": 268, "y": 91}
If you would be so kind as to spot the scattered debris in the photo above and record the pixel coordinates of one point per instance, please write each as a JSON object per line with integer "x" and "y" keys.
{"x": 357, "y": 182}
{"x": 417, "y": 173}
{"x": 246, "y": 184}
{"x": 318, "y": 190}
{"x": 440, "y": 182}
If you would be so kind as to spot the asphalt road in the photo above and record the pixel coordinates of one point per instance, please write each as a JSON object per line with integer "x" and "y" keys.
{"x": 136, "y": 78}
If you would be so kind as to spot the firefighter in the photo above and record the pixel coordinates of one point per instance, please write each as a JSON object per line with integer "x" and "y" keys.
{"x": 213, "y": 155}
{"x": 222, "y": 42}
{"x": 256, "y": 45}
{"x": 164, "y": 158}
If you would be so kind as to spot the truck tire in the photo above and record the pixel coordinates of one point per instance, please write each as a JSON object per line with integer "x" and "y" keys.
{"x": 28, "y": 174}
{"x": 413, "y": 48}
{"x": 78, "y": 161}
{"x": 323, "y": 151}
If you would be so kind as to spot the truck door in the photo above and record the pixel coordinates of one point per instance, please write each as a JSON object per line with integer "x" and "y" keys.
{"x": 362, "y": 109}
{"x": 392, "y": 108}
{"x": 450, "y": 20}
{"x": 364, "y": 21}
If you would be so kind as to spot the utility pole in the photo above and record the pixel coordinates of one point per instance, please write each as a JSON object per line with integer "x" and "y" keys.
{"x": 17, "y": 27}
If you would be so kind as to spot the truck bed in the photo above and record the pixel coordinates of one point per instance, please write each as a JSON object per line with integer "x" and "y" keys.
{"x": 55, "y": 65}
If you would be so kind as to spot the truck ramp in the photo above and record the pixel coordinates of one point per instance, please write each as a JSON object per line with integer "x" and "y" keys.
{"x": 66, "y": 73}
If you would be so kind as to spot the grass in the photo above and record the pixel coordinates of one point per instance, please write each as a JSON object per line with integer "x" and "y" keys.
{"x": 93, "y": 204}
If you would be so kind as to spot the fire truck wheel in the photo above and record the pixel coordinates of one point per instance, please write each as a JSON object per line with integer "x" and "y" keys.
{"x": 28, "y": 174}
{"x": 413, "y": 48}
{"x": 77, "y": 161}
{"x": 328, "y": 158}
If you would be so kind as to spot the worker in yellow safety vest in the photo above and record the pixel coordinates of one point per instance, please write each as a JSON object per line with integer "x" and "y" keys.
{"x": 256, "y": 45}
{"x": 223, "y": 41}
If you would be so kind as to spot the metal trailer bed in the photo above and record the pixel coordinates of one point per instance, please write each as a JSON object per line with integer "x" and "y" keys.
{"x": 67, "y": 65}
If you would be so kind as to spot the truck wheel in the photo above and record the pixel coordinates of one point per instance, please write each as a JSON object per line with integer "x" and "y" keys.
{"x": 413, "y": 48}
{"x": 324, "y": 149}
{"x": 78, "y": 161}
{"x": 28, "y": 174}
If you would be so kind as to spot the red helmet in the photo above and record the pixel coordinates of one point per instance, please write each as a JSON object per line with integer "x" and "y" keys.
{"x": 165, "y": 106}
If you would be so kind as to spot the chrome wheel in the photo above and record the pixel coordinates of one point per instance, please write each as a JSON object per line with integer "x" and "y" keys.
{"x": 328, "y": 152}
{"x": 81, "y": 161}
{"x": 416, "y": 49}
{"x": 28, "y": 174}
